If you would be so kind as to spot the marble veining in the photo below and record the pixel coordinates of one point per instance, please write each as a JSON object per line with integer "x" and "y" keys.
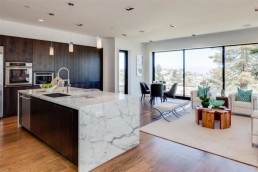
{"x": 108, "y": 123}
{"x": 107, "y": 130}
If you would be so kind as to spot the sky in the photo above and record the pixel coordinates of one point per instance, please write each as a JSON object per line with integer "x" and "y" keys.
{"x": 196, "y": 60}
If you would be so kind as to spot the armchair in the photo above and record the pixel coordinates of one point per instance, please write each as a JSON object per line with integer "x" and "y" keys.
{"x": 240, "y": 107}
{"x": 195, "y": 100}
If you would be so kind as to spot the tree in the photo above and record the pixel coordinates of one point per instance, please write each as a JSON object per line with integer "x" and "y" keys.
{"x": 158, "y": 73}
{"x": 240, "y": 67}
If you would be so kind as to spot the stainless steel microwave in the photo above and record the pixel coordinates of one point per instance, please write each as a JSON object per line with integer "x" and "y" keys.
{"x": 18, "y": 73}
{"x": 43, "y": 77}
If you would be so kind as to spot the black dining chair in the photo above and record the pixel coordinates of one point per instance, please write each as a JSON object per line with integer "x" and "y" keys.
{"x": 156, "y": 91}
{"x": 164, "y": 85}
{"x": 144, "y": 89}
{"x": 171, "y": 92}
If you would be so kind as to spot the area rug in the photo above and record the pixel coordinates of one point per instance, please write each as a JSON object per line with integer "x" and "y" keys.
{"x": 233, "y": 143}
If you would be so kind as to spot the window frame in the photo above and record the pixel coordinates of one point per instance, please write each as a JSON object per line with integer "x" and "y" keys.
{"x": 223, "y": 47}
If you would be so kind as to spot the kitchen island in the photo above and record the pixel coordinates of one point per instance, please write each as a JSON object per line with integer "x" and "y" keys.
{"x": 89, "y": 126}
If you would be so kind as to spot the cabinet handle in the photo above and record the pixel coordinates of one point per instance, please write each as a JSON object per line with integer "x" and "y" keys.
{"x": 25, "y": 97}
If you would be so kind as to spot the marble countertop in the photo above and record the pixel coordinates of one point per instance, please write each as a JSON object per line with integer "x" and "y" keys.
{"x": 78, "y": 98}
{"x": 108, "y": 123}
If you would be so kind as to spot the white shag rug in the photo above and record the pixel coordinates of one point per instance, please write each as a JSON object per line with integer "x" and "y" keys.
{"x": 233, "y": 143}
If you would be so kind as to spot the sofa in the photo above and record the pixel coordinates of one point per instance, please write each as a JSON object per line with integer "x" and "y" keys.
{"x": 243, "y": 108}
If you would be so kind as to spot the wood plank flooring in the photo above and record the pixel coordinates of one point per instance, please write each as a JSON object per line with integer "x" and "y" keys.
{"x": 20, "y": 151}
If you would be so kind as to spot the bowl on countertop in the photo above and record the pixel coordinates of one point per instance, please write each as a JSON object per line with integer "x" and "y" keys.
{"x": 49, "y": 90}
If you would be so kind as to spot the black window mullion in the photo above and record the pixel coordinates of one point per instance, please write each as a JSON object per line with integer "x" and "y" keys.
{"x": 223, "y": 68}
{"x": 153, "y": 66}
{"x": 183, "y": 72}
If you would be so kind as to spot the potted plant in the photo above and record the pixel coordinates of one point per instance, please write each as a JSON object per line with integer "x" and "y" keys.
{"x": 205, "y": 101}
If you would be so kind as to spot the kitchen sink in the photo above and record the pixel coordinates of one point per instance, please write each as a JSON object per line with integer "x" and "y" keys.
{"x": 56, "y": 95}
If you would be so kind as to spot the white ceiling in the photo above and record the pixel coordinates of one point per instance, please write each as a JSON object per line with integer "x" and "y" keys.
{"x": 108, "y": 18}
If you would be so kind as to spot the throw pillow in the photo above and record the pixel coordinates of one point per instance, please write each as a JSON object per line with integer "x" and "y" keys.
{"x": 244, "y": 95}
{"x": 203, "y": 91}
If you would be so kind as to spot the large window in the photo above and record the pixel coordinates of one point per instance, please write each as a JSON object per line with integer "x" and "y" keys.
{"x": 241, "y": 67}
{"x": 169, "y": 68}
{"x": 203, "y": 67}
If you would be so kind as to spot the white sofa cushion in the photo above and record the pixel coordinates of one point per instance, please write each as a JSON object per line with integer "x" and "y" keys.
{"x": 243, "y": 104}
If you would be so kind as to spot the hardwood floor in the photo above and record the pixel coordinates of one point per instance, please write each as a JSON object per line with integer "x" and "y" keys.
{"x": 20, "y": 151}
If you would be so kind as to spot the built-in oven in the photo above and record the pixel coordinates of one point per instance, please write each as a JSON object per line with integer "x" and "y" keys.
{"x": 43, "y": 78}
{"x": 18, "y": 73}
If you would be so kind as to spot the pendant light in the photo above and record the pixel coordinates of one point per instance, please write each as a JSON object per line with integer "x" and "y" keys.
{"x": 51, "y": 50}
{"x": 70, "y": 47}
{"x": 99, "y": 42}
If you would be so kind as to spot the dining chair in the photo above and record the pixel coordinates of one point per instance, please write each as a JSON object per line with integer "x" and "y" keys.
{"x": 156, "y": 91}
{"x": 144, "y": 89}
{"x": 171, "y": 92}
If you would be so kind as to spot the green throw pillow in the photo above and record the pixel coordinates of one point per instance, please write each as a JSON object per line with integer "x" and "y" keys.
{"x": 244, "y": 95}
{"x": 203, "y": 91}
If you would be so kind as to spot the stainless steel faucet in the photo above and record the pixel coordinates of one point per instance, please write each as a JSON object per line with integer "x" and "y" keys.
{"x": 68, "y": 79}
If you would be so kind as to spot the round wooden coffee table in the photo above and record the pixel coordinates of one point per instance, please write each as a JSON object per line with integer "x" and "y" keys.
{"x": 208, "y": 117}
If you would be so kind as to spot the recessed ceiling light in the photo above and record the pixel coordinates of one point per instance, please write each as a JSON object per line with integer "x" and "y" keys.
{"x": 70, "y": 4}
{"x": 123, "y": 34}
{"x": 171, "y": 25}
{"x": 151, "y": 41}
{"x": 27, "y": 6}
{"x": 79, "y": 24}
{"x": 256, "y": 9}
{"x": 193, "y": 35}
{"x": 141, "y": 31}
{"x": 51, "y": 14}
{"x": 41, "y": 20}
{"x": 130, "y": 8}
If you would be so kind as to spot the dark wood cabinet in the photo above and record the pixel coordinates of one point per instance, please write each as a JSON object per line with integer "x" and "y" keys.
{"x": 87, "y": 67}
{"x": 18, "y": 49}
{"x": 35, "y": 121}
{"x": 85, "y": 64}
{"x": 95, "y": 73}
{"x": 10, "y": 100}
{"x": 57, "y": 126}
{"x": 1, "y": 40}
{"x": 81, "y": 68}
{"x": 42, "y": 61}
{"x": 63, "y": 58}
{"x": 65, "y": 131}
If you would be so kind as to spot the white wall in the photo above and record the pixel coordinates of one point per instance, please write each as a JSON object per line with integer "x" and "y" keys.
{"x": 209, "y": 40}
{"x": 108, "y": 64}
{"x": 134, "y": 49}
{"x": 42, "y": 33}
